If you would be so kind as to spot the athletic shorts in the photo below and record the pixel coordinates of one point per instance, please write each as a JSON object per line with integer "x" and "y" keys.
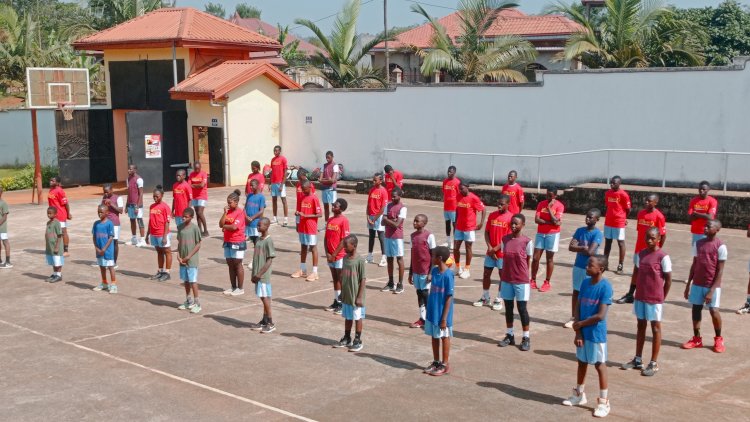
{"x": 615, "y": 233}
{"x": 547, "y": 242}
{"x": 262, "y": 289}
{"x": 329, "y": 195}
{"x": 490, "y": 262}
{"x": 188, "y": 274}
{"x": 377, "y": 226}
{"x": 158, "y": 241}
{"x": 3, "y": 236}
{"x": 394, "y": 248}
{"x": 178, "y": 221}
{"x": 117, "y": 232}
{"x": 278, "y": 189}
{"x": 134, "y": 211}
{"x": 233, "y": 253}
{"x": 464, "y": 236}
{"x": 698, "y": 294}
{"x": 100, "y": 261}
{"x": 64, "y": 224}
{"x": 647, "y": 311}
{"x": 420, "y": 281}
{"x": 520, "y": 292}
{"x": 578, "y": 275}
{"x": 696, "y": 238}
{"x": 592, "y": 353}
{"x": 337, "y": 264}
{"x": 449, "y": 216}
{"x": 352, "y": 313}
{"x": 198, "y": 202}
{"x": 308, "y": 239}
{"x": 251, "y": 231}
{"x": 434, "y": 331}
{"x": 55, "y": 260}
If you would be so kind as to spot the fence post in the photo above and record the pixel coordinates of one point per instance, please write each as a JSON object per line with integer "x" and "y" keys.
{"x": 606, "y": 176}
{"x": 664, "y": 172}
{"x": 726, "y": 171}
{"x": 538, "y": 173}
{"x": 493, "y": 173}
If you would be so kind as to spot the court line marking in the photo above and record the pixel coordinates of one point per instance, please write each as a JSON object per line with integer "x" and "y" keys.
{"x": 162, "y": 373}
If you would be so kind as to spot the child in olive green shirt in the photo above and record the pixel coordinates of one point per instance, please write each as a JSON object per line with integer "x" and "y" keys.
{"x": 353, "y": 279}
{"x": 263, "y": 256}
{"x": 188, "y": 245}
{"x": 54, "y": 248}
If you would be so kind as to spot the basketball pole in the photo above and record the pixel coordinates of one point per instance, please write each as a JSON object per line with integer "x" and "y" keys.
{"x": 37, "y": 187}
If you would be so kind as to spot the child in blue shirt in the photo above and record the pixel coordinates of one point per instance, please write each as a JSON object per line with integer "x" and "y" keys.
{"x": 255, "y": 205}
{"x": 591, "y": 333}
{"x": 585, "y": 243}
{"x": 439, "y": 321}
{"x": 103, "y": 234}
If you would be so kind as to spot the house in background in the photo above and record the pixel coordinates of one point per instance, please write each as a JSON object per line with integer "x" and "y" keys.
{"x": 548, "y": 34}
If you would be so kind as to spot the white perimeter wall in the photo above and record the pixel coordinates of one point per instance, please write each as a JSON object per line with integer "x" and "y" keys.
{"x": 17, "y": 143}
{"x": 687, "y": 110}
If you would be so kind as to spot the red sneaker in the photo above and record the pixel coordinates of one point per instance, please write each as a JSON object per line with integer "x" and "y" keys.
{"x": 719, "y": 344}
{"x": 695, "y": 342}
{"x": 533, "y": 284}
{"x": 545, "y": 286}
{"x": 417, "y": 324}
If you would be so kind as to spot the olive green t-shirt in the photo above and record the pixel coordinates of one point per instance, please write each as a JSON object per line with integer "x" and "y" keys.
{"x": 4, "y": 212}
{"x": 263, "y": 250}
{"x": 351, "y": 274}
{"x": 54, "y": 230}
{"x": 187, "y": 238}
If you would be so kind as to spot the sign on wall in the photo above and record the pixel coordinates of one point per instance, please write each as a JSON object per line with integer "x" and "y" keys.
{"x": 214, "y": 122}
{"x": 153, "y": 146}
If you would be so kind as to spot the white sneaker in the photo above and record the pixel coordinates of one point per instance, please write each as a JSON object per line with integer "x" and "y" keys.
{"x": 250, "y": 266}
{"x": 275, "y": 221}
{"x": 497, "y": 305}
{"x": 369, "y": 259}
{"x": 482, "y": 301}
{"x": 141, "y": 244}
{"x": 383, "y": 261}
{"x": 133, "y": 240}
{"x": 602, "y": 408}
{"x": 465, "y": 274}
{"x": 238, "y": 292}
{"x": 460, "y": 271}
{"x": 228, "y": 291}
{"x": 570, "y": 322}
{"x": 575, "y": 399}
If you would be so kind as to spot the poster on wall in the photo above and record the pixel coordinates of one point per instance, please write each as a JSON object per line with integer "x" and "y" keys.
{"x": 153, "y": 146}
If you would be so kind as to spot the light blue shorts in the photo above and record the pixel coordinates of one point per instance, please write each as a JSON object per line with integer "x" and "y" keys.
{"x": 394, "y": 248}
{"x": 55, "y": 260}
{"x": 547, "y": 242}
{"x": 378, "y": 226}
{"x": 464, "y": 236}
{"x": 100, "y": 261}
{"x": 278, "y": 189}
{"x": 178, "y": 221}
{"x": 434, "y": 331}
{"x": 251, "y": 231}
{"x": 592, "y": 353}
{"x": 233, "y": 253}
{"x": 420, "y": 281}
{"x": 352, "y": 313}
{"x": 578, "y": 275}
{"x": 308, "y": 239}
{"x": 490, "y": 262}
{"x": 134, "y": 212}
{"x": 158, "y": 241}
{"x": 329, "y": 195}
{"x": 198, "y": 202}
{"x": 263, "y": 289}
{"x": 647, "y": 311}
{"x": 188, "y": 274}
{"x": 449, "y": 216}
{"x": 510, "y": 291}
{"x": 697, "y": 237}
{"x": 698, "y": 296}
{"x": 615, "y": 233}
{"x": 338, "y": 264}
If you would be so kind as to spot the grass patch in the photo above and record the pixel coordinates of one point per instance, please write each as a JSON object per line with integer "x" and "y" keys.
{"x": 9, "y": 172}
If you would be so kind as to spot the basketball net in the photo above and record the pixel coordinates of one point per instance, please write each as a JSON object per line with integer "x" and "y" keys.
{"x": 67, "y": 109}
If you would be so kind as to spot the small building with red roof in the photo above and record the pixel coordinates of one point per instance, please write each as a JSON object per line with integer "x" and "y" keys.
{"x": 548, "y": 34}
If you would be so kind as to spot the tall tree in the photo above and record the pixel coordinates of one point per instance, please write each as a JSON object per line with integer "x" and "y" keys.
{"x": 246, "y": 11}
{"x": 290, "y": 50}
{"x": 215, "y": 9}
{"x": 728, "y": 28}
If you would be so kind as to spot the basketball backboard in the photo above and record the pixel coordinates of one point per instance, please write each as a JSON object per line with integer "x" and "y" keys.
{"x": 51, "y": 87}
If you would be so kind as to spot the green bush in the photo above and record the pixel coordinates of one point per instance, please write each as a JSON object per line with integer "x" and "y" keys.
{"x": 25, "y": 178}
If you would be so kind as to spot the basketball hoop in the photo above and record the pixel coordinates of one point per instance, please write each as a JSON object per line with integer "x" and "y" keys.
{"x": 67, "y": 109}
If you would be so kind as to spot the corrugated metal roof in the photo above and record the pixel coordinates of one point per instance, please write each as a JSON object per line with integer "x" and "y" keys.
{"x": 218, "y": 81}
{"x": 186, "y": 27}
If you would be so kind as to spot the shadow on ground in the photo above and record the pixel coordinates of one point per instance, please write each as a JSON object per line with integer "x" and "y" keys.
{"x": 521, "y": 393}
{"x": 392, "y": 362}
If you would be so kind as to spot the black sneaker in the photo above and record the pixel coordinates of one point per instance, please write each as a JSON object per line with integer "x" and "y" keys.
{"x": 509, "y": 340}
{"x": 339, "y": 309}
{"x": 268, "y": 328}
{"x": 5, "y": 265}
{"x": 627, "y": 298}
{"x": 388, "y": 287}
{"x": 619, "y": 269}
{"x": 259, "y": 326}
{"x": 633, "y": 364}
{"x": 344, "y": 342}
{"x": 650, "y": 370}
{"x": 525, "y": 344}
{"x": 356, "y": 345}
{"x": 156, "y": 276}
{"x": 332, "y": 306}
{"x": 55, "y": 279}
{"x": 48, "y": 279}
{"x": 399, "y": 289}
{"x": 164, "y": 277}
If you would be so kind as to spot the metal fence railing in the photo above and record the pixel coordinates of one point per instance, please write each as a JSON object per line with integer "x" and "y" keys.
{"x": 540, "y": 157}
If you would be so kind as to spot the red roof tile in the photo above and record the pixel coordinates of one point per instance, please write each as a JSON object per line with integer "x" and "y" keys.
{"x": 218, "y": 81}
{"x": 264, "y": 28}
{"x": 186, "y": 27}
{"x": 508, "y": 22}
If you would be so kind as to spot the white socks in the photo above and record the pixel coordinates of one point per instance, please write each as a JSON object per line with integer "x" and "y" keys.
{"x": 423, "y": 313}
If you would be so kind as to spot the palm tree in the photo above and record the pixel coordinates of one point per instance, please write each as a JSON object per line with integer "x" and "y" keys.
{"x": 633, "y": 33}
{"x": 471, "y": 57}
{"x": 340, "y": 64}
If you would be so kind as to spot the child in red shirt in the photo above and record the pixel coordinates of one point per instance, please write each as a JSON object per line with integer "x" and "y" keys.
{"x": 199, "y": 183}
{"x": 617, "y": 202}
{"x": 337, "y": 229}
{"x": 393, "y": 179}
{"x": 466, "y": 223}
{"x": 158, "y": 234}
{"x": 377, "y": 199}
{"x": 232, "y": 223}
{"x": 56, "y": 198}
{"x": 278, "y": 183}
{"x": 450, "y": 198}
{"x": 181, "y": 197}
{"x": 301, "y": 178}
{"x": 548, "y": 219}
{"x": 309, "y": 213}
{"x": 701, "y": 209}
{"x": 255, "y": 175}
{"x": 498, "y": 225}
{"x": 515, "y": 192}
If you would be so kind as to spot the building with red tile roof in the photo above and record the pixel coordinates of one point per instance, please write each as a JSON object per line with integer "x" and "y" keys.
{"x": 265, "y": 28}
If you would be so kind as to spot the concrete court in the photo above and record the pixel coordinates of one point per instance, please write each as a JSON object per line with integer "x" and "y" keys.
{"x": 73, "y": 354}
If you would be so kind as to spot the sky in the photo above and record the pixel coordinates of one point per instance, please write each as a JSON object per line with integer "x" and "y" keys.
{"x": 371, "y": 17}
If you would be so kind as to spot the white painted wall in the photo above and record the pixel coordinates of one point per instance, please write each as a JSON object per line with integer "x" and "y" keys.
{"x": 572, "y": 111}
{"x": 16, "y": 142}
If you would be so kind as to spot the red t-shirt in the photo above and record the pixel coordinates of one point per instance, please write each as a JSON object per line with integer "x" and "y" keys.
{"x": 235, "y": 217}
{"x": 703, "y": 206}
{"x": 56, "y": 198}
{"x": 301, "y": 195}
{"x": 158, "y": 216}
{"x": 450, "y": 193}
{"x": 376, "y": 200}
{"x": 196, "y": 178}
{"x": 389, "y": 185}
{"x": 466, "y": 212}
{"x": 515, "y": 191}
{"x": 181, "y": 195}
{"x": 617, "y": 203}
{"x": 498, "y": 225}
{"x": 256, "y": 176}
{"x": 337, "y": 229}
{"x": 310, "y": 204}
{"x": 278, "y": 169}
{"x": 646, "y": 220}
{"x": 542, "y": 212}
